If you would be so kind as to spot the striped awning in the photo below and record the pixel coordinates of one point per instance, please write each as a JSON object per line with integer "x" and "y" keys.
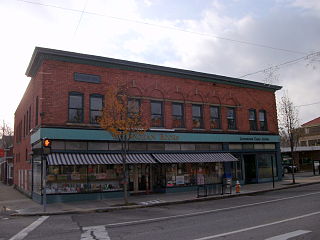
{"x": 194, "y": 157}
{"x": 96, "y": 159}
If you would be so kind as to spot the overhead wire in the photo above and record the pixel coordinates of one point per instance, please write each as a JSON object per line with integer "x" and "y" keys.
{"x": 308, "y": 104}
{"x": 282, "y": 64}
{"x": 85, "y": 5}
{"x": 168, "y": 27}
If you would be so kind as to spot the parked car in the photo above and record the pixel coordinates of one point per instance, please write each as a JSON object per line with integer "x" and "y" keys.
{"x": 287, "y": 166}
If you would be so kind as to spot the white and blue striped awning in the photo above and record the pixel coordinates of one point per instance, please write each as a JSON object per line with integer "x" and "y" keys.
{"x": 194, "y": 157}
{"x": 96, "y": 159}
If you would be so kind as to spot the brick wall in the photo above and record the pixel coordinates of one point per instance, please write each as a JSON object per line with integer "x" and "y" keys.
{"x": 24, "y": 122}
{"x": 59, "y": 81}
{"x": 55, "y": 79}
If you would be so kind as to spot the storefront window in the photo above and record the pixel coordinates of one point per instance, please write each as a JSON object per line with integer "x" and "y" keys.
{"x": 78, "y": 179}
{"x": 236, "y": 168}
{"x": 190, "y": 174}
{"x": 265, "y": 165}
{"x": 212, "y": 172}
{"x": 37, "y": 176}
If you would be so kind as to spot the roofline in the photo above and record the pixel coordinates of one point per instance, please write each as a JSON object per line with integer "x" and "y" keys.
{"x": 307, "y": 124}
{"x": 300, "y": 149}
{"x": 41, "y": 54}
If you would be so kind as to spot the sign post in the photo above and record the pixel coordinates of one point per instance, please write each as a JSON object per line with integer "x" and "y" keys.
{"x": 272, "y": 172}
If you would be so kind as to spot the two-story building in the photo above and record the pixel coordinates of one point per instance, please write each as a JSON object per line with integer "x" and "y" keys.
{"x": 307, "y": 153}
{"x": 201, "y": 128}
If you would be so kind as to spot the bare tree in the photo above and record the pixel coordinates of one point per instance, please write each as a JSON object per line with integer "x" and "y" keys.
{"x": 122, "y": 117}
{"x": 289, "y": 125}
{"x": 271, "y": 75}
{"x": 6, "y": 133}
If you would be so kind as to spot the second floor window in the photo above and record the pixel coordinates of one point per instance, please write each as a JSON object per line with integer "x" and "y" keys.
{"x": 133, "y": 106}
{"x": 177, "y": 115}
{"x": 156, "y": 114}
{"x": 75, "y": 107}
{"x": 214, "y": 118}
{"x": 252, "y": 120}
{"x": 231, "y": 118}
{"x": 197, "y": 121}
{"x": 96, "y": 107}
{"x": 263, "y": 120}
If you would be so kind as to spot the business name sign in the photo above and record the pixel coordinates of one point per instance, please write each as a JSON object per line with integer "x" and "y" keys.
{"x": 101, "y": 135}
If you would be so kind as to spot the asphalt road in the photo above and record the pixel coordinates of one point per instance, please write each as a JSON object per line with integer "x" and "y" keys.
{"x": 275, "y": 215}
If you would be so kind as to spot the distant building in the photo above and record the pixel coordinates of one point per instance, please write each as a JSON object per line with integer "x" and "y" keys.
{"x": 308, "y": 150}
{"x": 6, "y": 160}
{"x": 201, "y": 128}
{"x": 311, "y": 133}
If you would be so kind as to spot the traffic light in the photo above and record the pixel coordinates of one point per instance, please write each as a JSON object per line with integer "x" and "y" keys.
{"x": 46, "y": 145}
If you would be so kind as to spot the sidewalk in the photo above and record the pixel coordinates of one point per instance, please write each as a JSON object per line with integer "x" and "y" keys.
{"x": 19, "y": 205}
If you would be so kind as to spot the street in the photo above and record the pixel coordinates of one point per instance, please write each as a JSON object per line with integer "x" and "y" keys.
{"x": 274, "y": 215}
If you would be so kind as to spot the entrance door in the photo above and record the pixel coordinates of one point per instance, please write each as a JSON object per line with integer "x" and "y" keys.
{"x": 139, "y": 178}
{"x": 158, "y": 178}
{"x": 143, "y": 177}
{"x": 250, "y": 168}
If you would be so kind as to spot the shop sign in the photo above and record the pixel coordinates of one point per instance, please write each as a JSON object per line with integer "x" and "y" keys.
{"x": 200, "y": 179}
{"x": 102, "y": 135}
{"x": 156, "y": 137}
{"x": 180, "y": 180}
{"x": 1, "y": 153}
{"x": 254, "y": 139}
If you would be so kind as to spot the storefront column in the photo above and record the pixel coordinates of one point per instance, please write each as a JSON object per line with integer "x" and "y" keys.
{"x": 135, "y": 178}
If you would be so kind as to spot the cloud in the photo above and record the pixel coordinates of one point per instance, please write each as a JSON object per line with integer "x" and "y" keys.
{"x": 126, "y": 31}
{"x": 307, "y": 4}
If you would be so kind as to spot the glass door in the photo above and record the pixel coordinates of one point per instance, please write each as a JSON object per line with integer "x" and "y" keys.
{"x": 250, "y": 168}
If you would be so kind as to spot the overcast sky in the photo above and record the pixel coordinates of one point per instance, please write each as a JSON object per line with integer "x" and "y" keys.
{"x": 226, "y": 37}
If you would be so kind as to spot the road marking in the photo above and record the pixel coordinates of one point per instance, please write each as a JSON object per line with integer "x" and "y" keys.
{"x": 95, "y": 233}
{"x": 24, "y": 232}
{"x": 289, "y": 235}
{"x": 258, "y": 226}
{"x": 151, "y": 202}
{"x": 204, "y": 212}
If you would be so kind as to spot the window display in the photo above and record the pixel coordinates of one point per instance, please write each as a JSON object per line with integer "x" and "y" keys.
{"x": 265, "y": 162}
{"x": 37, "y": 177}
{"x": 80, "y": 179}
{"x": 191, "y": 174}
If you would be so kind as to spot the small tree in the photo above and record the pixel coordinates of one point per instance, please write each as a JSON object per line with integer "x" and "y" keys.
{"x": 122, "y": 117}
{"x": 6, "y": 133}
{"x": 289, "y": 125}
{"x": 5, "y": 129}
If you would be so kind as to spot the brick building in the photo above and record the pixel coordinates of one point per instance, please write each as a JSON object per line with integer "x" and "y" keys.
{"x": 202, "y": 127}
{"x": 307, "y": 154}
{"x": 310, "y": 133}
{"x": 6, "y": 160}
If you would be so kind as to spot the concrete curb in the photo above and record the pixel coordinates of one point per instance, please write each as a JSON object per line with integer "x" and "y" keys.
{"x": 202, "y": 199}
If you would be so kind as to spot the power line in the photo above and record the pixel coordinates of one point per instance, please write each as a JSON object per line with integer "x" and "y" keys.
{"x": 309, "y": 104}
{"x": 85, "y": 5}
{"x": 168, "y": 27}
{"x": 283, "y": 64}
